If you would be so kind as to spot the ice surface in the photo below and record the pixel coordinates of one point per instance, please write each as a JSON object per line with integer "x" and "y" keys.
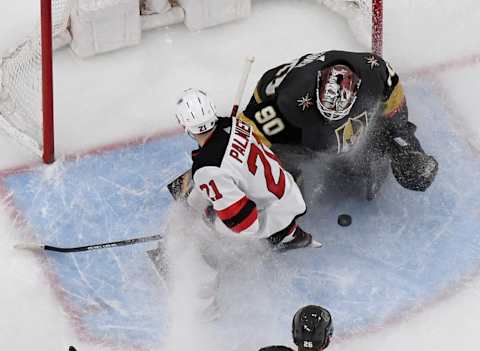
{"x": 126, "y": 104}
{"x": 113, "y": 295}
{"x": 403, "y": 250}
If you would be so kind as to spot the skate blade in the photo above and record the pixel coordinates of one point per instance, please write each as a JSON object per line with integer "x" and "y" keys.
{"x": 315, "y": 244}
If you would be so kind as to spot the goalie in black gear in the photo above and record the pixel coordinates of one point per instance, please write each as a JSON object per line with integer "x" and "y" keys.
{"x": 312, "y": 329}
{"x": 342, "y": 103}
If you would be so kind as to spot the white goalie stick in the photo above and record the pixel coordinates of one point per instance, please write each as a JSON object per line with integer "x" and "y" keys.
{"x": 241, "y": 85}
{"x": 181, "y": 186}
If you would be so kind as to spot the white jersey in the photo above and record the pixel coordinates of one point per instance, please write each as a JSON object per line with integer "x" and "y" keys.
{"x": 251, "y": 193}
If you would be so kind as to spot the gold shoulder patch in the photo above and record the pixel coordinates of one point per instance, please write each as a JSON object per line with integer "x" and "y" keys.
{"x": 259, "y": 135}
{"x": 395, "y": 102}
{"x": 256, "y": 95}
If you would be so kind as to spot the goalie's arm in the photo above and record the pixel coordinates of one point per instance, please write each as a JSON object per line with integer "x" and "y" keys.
{"x": 264, "y": 96}
{"x": 411, "y": 166}
{"x": 395, "y": 112}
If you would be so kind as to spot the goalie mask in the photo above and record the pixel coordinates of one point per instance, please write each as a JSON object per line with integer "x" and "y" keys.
{"x": 312, "y": 328}
{"x": 196, "y": 112}
{"x": 337, "y": 88}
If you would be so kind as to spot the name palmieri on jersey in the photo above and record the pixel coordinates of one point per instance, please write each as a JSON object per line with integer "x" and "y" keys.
{"x": 241, "y": 137}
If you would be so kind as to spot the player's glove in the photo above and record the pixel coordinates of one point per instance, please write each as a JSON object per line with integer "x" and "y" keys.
{"x": 414, "y": 170}
{"x": 209, "y": 215}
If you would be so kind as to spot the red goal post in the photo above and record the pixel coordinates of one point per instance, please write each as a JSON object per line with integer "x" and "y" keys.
{"x": 26, "y": 81}
{"x": 377, "y": 27}
{"x": 46, "y": 36}
{"x": 365, "y": 18}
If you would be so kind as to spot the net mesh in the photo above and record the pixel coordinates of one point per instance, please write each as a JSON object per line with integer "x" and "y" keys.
{"x": 358, "y": 14}
{"x": 21, "y": 86}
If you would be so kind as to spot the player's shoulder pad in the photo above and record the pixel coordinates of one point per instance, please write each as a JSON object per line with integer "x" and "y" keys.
{"x": 211, "y": 154}
{"x": 372, "y": 69}
{"x": 385, "y": 71}
{"x": 276, "y": 348}
{"x": 260, "y": 93}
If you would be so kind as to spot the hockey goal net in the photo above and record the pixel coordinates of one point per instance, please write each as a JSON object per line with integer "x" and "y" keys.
{"x": 365, "y": 18}
{"x": 26, "y": 90}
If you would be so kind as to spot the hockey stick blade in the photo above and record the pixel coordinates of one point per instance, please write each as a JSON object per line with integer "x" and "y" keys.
{"x": 37, "y": 247}
{"x": 29, "y": 246}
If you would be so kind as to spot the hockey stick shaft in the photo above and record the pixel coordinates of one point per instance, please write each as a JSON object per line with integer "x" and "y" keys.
{"x": 37, "y": 247}
{"x": 241, "y": 85}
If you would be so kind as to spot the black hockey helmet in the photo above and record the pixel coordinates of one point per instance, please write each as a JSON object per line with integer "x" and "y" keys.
{"x": 312, "y": 328}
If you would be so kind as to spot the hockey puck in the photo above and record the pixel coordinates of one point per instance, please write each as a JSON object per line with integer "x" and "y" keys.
{"x": 344, "y": 220}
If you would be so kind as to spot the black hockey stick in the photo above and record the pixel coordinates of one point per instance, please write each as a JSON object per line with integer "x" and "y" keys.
{"x": 38, "y": 247}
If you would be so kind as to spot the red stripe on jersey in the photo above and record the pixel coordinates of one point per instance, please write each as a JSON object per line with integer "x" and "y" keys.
{"x": 292, "y": 229}
{"x": 247, "y": 222}
{"x": 232, "y": 210}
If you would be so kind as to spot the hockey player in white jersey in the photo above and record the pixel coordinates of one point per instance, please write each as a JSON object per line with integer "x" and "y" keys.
{"x": 251, "y": 194}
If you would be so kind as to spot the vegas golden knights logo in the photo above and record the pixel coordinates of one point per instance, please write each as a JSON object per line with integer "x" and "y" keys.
{"x": 349, "y": 133}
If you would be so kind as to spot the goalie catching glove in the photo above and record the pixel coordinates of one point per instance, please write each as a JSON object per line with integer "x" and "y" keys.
{"x": 414, "y": 170}
{"x": 412, "y": 167}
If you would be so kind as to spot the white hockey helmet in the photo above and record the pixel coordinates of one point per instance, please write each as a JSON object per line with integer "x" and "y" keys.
{"x": 196, "y": 112}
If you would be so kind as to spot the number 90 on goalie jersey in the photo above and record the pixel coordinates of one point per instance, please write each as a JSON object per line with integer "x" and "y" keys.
{"x": 251, "y": 193}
